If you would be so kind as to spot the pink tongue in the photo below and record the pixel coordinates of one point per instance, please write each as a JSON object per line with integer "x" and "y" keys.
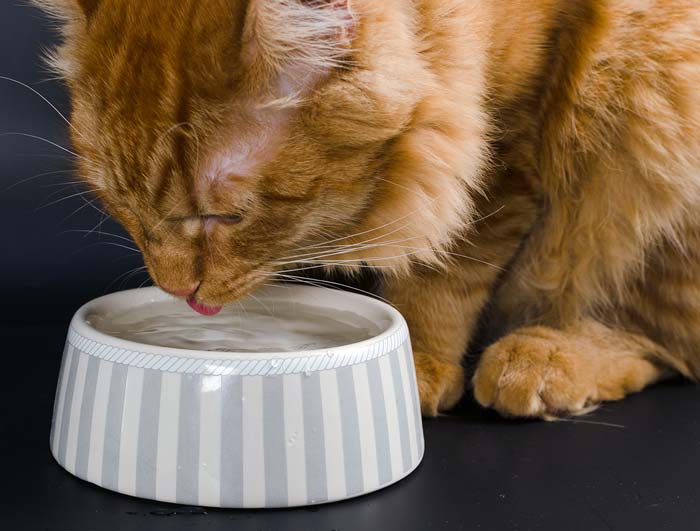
{"x": 203, "y": 308}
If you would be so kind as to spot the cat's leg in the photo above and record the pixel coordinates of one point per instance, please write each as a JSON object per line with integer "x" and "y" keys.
{"x": 618, "y": 159}
{"x": 587, "y": 256}
{"x": 441, "y": 312}
{"x": 442, "y": 305}
{"x": 546, "y": 372}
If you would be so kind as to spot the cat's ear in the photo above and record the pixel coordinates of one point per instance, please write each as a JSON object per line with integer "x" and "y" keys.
{"x": 299, "y": 37}
{"x": 68, "y": 9}
{"x": 88, "y": 6}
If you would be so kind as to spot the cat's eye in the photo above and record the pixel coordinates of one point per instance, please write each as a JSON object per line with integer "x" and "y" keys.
{"x": 224, "y": 219}
{"x": 229, "y": 219}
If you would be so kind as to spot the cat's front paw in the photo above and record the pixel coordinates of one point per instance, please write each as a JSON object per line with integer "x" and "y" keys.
{"x": 440, "y": 384}
{"x": 536, "y": 372}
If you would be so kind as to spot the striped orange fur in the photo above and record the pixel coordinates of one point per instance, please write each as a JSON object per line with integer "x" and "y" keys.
{"x": 543, "y": 156}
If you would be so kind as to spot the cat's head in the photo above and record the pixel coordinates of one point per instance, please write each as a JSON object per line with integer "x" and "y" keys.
{"x": 233, "y": 138}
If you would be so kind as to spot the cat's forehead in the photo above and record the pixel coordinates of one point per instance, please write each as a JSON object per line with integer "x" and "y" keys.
{"x": 151, "y": 42}
{"x": 204, "y": 90}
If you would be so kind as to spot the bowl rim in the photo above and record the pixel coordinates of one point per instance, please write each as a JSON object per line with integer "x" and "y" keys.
{"x": 396, "y": 330}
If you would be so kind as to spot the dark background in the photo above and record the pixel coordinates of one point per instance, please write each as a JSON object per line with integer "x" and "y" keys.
{"x": 631, "y": 465}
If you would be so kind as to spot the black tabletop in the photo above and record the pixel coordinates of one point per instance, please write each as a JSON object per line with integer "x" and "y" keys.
{"x": 630, "y": 465}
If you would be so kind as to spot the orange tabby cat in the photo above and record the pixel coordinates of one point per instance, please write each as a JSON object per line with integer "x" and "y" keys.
{"x": 543, "y": 155}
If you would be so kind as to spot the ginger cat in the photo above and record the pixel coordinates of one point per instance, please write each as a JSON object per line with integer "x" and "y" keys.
{"x": 540, "y": 156}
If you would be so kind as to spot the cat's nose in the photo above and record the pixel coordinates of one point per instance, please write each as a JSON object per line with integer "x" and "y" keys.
{"x": 181, "y": 292}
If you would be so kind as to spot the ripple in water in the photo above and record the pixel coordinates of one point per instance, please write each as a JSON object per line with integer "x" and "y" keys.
{"x": 249, "y": 327}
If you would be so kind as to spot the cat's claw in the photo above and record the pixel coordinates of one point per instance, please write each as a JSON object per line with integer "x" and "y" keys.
{"x": 440, "y": 384}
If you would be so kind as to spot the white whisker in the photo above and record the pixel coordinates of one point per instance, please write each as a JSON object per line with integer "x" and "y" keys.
{"x": 98, "y": 226}
{"x": 87, "y": 204}
{"x": 33, "y": 177}
{"x": 46, "y": 140}
{"x": 44, "y": 98}
{"x": 127, "y": 274}
{"x": 369, "y": 230}
{"x": 88, "y": 232}
{"x": 112, "y": 244}
{"x": 327, "y": 283}
{"x": 416, "y": 251}
{"x": 79, "y": 194}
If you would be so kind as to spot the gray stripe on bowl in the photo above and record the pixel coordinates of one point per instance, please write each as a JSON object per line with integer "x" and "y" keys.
{"x": 187, "y": 489}
{"x": 381, "y": 428}
{"x": 55, "y": 430}
{"x": 275, "y": 443}
{"x": 67, "y": 406}
{"x": 113, "y": 428}
{"x": 316, "y": 487}
{"x": 354, "y": 482}
{"x": 147, "y": 455}
{"x": 85, "y": 426}
{"x": 231, "y": 441}
{"x": 410, "y": 367}
{"x": 401, "y": 406}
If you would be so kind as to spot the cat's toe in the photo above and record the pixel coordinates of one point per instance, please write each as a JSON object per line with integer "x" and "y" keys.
{"x": 535, "y": 373}
{"x": 440, "y": 384}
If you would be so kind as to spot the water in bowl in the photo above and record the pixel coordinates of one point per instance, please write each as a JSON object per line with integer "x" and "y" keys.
{"x": 274, "y": 326}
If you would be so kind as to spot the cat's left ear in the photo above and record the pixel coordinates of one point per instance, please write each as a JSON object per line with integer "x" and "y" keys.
{"x": 88, "y": 6}
{"x": 68, "y": 9}
{"x": 298, "y": 37}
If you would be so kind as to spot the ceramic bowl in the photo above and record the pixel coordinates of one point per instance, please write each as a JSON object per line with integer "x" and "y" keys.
{"x": 236, "y": 430}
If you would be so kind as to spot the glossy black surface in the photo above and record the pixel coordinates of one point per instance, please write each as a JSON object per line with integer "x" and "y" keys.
{"x": 632, "y": 465}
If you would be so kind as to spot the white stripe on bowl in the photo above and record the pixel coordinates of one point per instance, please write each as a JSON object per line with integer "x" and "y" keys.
{"x": 381, "y": 429}
{"x": 352, "y": 451}
{"x": 294, "y": 436}
{"x": 166, "y": 467}
{"x": 408, "y": 450}
{"x": 413, "y": 429}
{"x": 210, "y": 442}
{"x": 366, "y": 428}
{"x": 333, "y": 436}
{"x": 253, "y": 454}
{"x": 128, "y": 446}
{"x": 231, "y": 464}
{"x": 85, "y": 426}
{"x": 58, "y": 399}
{"x": 74, "y": 416}
{"x": 113, "y": 428}
{"x": 66, "y": 405}
{"x": 392, "y": 416}
{"x": 316, "y": 487}
{"x": 99, "y": 421}
{"x": 418, "y": 419}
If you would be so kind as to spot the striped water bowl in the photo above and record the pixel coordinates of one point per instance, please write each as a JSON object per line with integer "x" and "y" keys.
{"x": 238, "y": 430}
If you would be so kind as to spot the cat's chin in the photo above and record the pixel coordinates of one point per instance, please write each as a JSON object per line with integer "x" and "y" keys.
{"x": 203, "y": 309}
